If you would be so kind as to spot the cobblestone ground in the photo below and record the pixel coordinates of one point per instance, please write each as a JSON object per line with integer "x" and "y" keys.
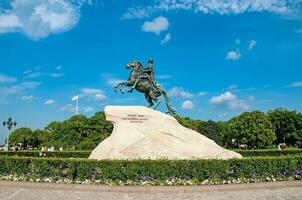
{"x": 41, "y": 191}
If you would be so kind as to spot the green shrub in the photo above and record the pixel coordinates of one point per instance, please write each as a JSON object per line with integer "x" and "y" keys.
{"x": 152, "y": 171}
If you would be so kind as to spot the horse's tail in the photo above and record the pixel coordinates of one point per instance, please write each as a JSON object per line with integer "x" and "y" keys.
{"x": 171, "y": 110}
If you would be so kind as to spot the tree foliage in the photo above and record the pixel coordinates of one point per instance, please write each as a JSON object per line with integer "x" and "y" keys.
{"x": 23, "y": 136}
{"x": 287, "y": 126}
{"x": 212, "y": 130}
{"x": 77, "y": 132}
{"x": 188, "y": 122}
{"x": 253, "y": 129}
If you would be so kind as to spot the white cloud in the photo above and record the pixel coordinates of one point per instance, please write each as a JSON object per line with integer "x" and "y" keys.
{"x": 110, "y": 79}
{"x": 156, "y": 26}
{"x": 203, "y": 93}
{"x": 252, "y": 44}
{"x": 9, "y": 22}
{"x": 40, "y": 74}
{"x": 93, "y": 93}
{"x": 164, "y": 76}
{"x": 222, "y": 7}
{"x": 178, "y": 91}
{"x": 187, "y": 105}
{"x": 137, "y": 13}
{"x": 49, "y": 102}
{"x": 68, "y": 108}
{"x": 27, "y": 97}
{"x": 100, "y": 97}
{"x": 233, "y": 87}
{"x": 88, "y": 2}
{"x": 233, "y": 55}
{"x": 35, "y": 72}
{"x": 166, "y": 39}
{"x": 20, "y": 88}
{"x": 39, "y": 18}
{"x": 89, "y": 109}
{"x": 296, "y": 84}
{"x": 7, "y": 79}
{"x": 33, "y": 69}
{"x": 230, "y": 101}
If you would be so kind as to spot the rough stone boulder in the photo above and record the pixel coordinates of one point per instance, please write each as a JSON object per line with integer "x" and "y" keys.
{"x": 143, "y": 133}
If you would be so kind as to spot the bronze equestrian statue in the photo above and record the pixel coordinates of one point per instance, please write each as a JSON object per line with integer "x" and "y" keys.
{"x": 143, "y": 80}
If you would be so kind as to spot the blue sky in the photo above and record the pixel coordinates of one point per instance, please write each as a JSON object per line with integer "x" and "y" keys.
{"x": 215, "y": 58}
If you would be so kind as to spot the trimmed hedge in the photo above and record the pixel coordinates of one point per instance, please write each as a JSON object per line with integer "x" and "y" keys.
{"x": 156, "y": 172}
{"x": 85, "y": 154}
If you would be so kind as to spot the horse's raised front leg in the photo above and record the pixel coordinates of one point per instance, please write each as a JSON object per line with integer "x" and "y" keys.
{"x": 120, "y": 86}
{"x": 116, "y": 87}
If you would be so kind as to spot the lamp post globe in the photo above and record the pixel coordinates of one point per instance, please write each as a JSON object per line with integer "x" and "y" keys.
{"x": 9, "y": 124}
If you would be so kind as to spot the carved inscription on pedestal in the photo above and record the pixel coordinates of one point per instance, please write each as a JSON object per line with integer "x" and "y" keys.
{"x": 135, "y": 118}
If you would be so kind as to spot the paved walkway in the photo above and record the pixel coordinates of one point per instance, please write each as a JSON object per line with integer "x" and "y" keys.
{"x": 40, "y": 191}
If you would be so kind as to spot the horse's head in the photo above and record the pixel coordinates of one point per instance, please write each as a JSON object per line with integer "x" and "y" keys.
{"x": 134, "y": 65}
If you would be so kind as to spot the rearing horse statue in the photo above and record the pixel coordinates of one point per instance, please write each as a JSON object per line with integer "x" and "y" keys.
{"x": 141, "y": 82}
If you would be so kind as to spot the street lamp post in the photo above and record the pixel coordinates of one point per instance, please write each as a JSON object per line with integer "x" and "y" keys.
{"x": 9, "y": 124}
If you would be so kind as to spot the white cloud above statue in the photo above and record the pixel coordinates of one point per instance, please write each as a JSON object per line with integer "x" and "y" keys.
{"x": 187, "y": 105}
{"x": 93, "y": 93}
{"x": 49, "y": 102}
{"x": 7, "y": 79}
{"x": 156, "y": 26}
{"x": 229, "y": 101}
{"x": 38, "y": 18}
{"x": 233, "y": 55}
{"x": 180, "y": 92}
{"x": 226, "y": 7}
{"x": 166, "y": 39}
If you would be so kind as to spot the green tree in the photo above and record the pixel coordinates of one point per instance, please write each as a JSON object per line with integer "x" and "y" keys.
{"x": 211, "y": 130}
{"x": 23, "y": 135}
{"x": 78, "y": 132}
{"x": 253, "y": 129}
{"x": 100, "y": 129}
{"x": 188, "y": 122}
{"x": 217, "y": 131}
{"x": 287, "y": 126}
{"x": 68, "y": 133}
{"x": 225, "y": 133}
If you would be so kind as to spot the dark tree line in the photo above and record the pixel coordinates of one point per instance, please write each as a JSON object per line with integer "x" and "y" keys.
{"x": 255, "y": 129}
{"x": 77, "y": 132}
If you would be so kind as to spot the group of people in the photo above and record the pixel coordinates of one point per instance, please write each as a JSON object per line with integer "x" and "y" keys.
{"x": 45, "y": 150}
